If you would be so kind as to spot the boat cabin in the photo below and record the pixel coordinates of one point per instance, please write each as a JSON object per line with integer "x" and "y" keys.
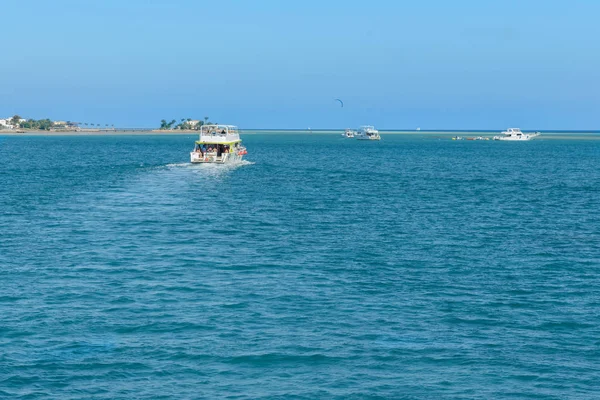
{"x": 513, "y": 131}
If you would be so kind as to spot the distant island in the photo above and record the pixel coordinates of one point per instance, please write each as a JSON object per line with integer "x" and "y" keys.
{"x": 186, "y": 124}
{"x": 19, "y": 124}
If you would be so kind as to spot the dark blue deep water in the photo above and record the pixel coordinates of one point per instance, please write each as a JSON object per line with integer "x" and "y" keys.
{"x": 323, "y": 268}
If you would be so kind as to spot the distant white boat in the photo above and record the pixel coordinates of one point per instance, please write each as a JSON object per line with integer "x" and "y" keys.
{"x": 368, "y": 132}
{"x": 418, "y": 129}
{"x": 349, "y": 133}
{"x": 515, "y": 134}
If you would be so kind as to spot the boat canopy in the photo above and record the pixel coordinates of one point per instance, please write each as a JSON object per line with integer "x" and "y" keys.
{"x": 217, "y": 142}
{"x": 218, "y": 134}
{"x": 216, "y": 128}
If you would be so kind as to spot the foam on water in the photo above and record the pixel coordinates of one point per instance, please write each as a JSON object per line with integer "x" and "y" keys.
{"x": 209, "y": 166}
{"x": 208, "y": 170}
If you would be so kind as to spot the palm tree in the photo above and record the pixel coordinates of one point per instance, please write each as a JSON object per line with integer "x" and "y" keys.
{"x": 15, "y": 119}
{"x": 205, "y": 120}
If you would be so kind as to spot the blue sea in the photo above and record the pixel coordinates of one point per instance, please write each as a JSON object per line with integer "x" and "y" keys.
{"x": 321, "y": 268}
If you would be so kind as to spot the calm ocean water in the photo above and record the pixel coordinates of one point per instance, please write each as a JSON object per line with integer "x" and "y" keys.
{"x": 322, "y": 268}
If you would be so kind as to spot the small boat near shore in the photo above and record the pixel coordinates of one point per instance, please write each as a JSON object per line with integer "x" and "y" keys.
{"x": 478, "y": 138}
{"x": 218, "y": 144}
{"x": 368, "y": 132}
{"x": 515, "y": 134}
{"x": 349, "y": 133}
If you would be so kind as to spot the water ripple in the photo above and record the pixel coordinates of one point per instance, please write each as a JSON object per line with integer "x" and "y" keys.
{"x": 321, "y": 268}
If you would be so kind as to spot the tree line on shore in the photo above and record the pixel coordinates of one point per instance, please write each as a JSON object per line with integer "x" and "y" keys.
{"x": 47, "y": 124}
{"x": 184, "y": 124}
{"x": 40, "y": 124}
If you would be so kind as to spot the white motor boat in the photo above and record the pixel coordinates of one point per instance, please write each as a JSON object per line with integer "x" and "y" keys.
{"x": 516, "y": 134}
{"x": 368, "y": 132}
{"x": 218, "y": 144}
{"x": 349, "y": 133}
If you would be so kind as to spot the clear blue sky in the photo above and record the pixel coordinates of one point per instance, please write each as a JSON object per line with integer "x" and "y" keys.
{"x": 265, "y": 63}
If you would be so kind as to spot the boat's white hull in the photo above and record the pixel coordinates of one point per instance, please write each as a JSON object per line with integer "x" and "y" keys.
{"x": 521, "y": 138}
{"x": 368, "y": 137}
{"x": 211, "y": 158}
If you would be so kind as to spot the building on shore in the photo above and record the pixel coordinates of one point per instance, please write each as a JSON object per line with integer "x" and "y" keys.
{"x": 9, "y": 123}
{"x": 12, "y": 123}
{"x": 65, "y": 125}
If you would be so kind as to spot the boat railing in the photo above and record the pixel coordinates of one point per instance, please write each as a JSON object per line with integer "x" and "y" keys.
{"x": 229, "y": 135}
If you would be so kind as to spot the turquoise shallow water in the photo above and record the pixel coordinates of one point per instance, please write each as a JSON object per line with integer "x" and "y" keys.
{"x": 322, "y": 268}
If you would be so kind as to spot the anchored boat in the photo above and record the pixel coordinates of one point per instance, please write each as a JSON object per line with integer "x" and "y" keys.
{"x": 218, "y": 144}
{"x": 368, "y": 132}
{"x": 349, "y": 133}
{"x": 516, "y": 134}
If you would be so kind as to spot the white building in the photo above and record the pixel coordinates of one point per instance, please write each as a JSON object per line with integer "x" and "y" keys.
{"x": 6, "y": 123}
